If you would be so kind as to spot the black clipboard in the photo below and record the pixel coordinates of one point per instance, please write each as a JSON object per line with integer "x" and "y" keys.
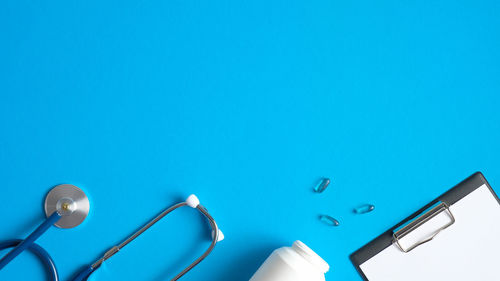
{"x": 439, "y": 204}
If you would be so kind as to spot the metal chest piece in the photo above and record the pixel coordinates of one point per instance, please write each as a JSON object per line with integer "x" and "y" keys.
{"x": 70, "y": 202}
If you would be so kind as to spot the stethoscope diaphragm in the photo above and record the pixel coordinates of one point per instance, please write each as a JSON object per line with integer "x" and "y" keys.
{"x": 70, "y": 202}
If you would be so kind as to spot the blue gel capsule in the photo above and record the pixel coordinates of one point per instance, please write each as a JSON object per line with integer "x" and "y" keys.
{"x": 322, "y": 185}
{"x": 329, "y": 220}
{"x": 363, "y": 209}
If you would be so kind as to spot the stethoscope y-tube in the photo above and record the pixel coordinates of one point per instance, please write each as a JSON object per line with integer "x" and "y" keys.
{"x": 68, "y": 207}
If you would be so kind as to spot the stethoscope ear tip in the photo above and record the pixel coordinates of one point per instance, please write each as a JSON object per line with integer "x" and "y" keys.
{"x": 193, "y": 201}
{"x": 220, "y": 235}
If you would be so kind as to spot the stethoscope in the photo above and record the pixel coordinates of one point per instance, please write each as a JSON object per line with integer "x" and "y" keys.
{"x": 67, "y": 206}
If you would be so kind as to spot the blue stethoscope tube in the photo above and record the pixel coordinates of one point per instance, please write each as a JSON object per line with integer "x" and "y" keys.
{"x": 29, "y": 244}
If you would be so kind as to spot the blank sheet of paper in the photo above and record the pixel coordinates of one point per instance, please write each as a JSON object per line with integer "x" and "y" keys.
{"x": 467, "y": 250}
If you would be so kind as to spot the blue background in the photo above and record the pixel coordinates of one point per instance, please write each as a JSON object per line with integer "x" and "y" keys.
{"x": 247, "y": 104}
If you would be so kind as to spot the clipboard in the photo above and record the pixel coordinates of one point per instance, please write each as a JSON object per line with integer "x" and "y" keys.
{"x": 454, "y": 237}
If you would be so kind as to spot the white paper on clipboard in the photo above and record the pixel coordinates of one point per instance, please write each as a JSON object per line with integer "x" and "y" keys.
{"x": 468, "y": 250}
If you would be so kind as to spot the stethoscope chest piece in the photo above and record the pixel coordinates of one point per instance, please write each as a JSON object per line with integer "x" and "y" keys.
{"x": 70, "y": 202}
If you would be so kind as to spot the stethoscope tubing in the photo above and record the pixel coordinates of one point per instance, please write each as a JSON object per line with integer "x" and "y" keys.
{"x": 40, "y": 252}
{"x": 84, "y": 274}
{"x": 19, "y": 245}
{"x": 26, "y": 243}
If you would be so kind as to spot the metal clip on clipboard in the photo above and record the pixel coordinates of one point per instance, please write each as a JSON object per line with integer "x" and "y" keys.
{"x": 412, "y": 225}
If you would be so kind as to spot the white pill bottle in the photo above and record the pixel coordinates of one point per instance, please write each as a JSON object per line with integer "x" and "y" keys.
{"x": 296, "y": 263}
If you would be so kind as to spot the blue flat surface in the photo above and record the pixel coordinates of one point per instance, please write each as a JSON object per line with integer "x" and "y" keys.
{"x": 247, "y": 104}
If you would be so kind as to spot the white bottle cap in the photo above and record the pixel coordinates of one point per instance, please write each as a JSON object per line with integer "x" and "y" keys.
{"x": 311, "y": 256}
